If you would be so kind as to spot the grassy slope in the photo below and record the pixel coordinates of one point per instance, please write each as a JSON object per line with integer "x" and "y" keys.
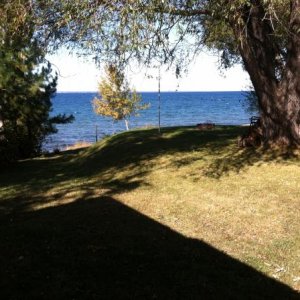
{"x": 142, "y": 216}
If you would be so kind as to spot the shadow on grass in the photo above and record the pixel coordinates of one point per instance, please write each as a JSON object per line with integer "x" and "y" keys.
{"x": 235, "y": 160}
{"x": 97, "y": 248}
{"x": 134, "y": 154}
{"x": 220, "y": 145}
{"x": 130, "y": 151}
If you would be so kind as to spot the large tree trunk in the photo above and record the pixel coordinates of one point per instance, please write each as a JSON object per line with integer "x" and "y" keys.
{"x": 277, "y": 84}
{"x": 280, "y": 118}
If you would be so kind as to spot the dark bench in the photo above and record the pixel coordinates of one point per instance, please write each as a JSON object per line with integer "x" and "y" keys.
{"x": 253, "y": 137}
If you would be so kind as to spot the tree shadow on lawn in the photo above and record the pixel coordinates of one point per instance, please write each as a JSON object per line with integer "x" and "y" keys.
{"x": 236, "y": 159}
{"x": 133, "y": 153}
{"x": 97, "y": 248}
{"x": 219, "y": 147}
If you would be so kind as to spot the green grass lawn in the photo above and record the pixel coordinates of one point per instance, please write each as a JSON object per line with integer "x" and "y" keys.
{"x": 182, "y": 215}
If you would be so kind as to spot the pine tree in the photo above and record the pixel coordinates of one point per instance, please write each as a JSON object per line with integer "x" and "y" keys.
{"x": 27, "y": 84}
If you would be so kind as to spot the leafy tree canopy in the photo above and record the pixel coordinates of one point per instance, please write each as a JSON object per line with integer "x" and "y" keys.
{"x": 262, "y": 34}
{"x": 165, "y": 30}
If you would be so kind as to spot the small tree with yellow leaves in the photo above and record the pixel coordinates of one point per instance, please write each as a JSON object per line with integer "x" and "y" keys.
{"x": 116, "y": 99}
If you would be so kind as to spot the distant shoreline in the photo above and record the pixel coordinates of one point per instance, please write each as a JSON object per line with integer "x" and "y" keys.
{"x": 93, "y": 92}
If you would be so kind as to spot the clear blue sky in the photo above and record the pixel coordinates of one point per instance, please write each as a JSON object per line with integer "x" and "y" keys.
{"x": 82, "y": 75}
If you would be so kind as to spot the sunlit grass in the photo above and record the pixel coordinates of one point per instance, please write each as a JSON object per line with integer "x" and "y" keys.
{"x": 244, "y": 202}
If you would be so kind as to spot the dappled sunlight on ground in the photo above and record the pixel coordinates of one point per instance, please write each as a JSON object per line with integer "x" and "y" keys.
{"x": 199, "y": 184}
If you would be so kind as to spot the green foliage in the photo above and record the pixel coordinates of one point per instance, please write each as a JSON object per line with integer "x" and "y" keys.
{"x": 166, "y": 30}
{"x": 27, "y": 84}
{"x": 263, "y": 35}
{"x": 117, "y": 100}
{"x": 26, "y": 88}
{"x": 169, "y": 31}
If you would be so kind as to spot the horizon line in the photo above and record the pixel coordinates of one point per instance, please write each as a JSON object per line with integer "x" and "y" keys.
{"x": 170, "y": 91}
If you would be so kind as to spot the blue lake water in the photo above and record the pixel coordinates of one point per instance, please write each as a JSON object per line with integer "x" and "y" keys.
{"x": 177, "y": 108}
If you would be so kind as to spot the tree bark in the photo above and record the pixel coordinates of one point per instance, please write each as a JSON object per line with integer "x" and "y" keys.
{"x": 278, "y": 95}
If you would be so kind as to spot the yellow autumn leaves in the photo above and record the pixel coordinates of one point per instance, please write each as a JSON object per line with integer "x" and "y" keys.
{"x": 116, "y": 99}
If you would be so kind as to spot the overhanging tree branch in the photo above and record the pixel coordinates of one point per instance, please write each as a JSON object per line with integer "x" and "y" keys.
{"x": 188, "y": 13}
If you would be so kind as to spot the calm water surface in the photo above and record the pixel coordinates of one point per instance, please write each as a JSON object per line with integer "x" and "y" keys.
{"x": 177, "y": 108}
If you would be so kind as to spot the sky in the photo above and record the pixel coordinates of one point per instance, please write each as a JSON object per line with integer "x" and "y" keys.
{"x": 81, "y": 75}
